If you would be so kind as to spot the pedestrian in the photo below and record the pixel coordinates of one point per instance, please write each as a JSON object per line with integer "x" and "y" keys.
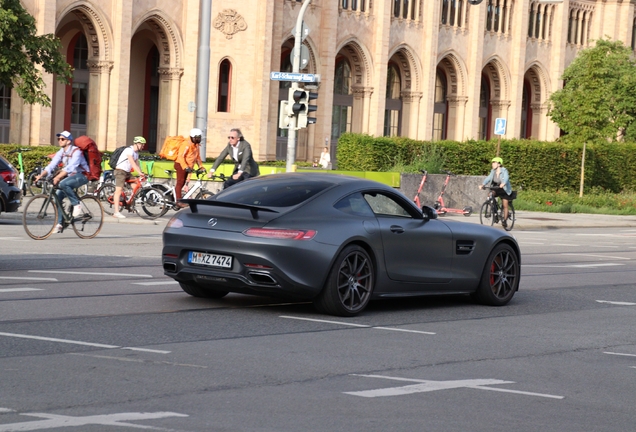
{"x": 69, "y": 177}
{"x": 189, "y": 154}
{"x": 499, "y": 178}
{"x": 325, "y": 158}
{"x": 241, "y": 153}
{"x": 126, "y": 164}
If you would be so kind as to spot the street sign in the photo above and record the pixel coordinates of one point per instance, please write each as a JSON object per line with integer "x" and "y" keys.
{"x": 297, "y": 77}
{"x": 500, "y": 126}
{"x": 304, "y": 31}
{"x": 304, "y": 57}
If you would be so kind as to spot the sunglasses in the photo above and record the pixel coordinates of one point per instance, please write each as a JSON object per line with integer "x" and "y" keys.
{"x": 61, "y": 139}
{"x": 232, "y": 137}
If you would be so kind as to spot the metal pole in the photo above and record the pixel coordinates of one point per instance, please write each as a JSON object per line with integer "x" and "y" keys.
{"x": 291, "y": 136}
{"x": 203, "y": 72}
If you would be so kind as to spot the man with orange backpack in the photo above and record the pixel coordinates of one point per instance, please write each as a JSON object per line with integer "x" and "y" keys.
{"x": 189, "y": 154}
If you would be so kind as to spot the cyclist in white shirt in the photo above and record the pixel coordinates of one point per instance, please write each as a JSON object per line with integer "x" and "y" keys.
{"x": 125, "y": 165}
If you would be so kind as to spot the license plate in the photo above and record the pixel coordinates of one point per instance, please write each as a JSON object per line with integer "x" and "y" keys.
{"x": 212, "y": 260}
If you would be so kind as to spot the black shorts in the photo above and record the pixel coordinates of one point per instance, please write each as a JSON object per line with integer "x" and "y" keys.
{"x": 502, "y": 193}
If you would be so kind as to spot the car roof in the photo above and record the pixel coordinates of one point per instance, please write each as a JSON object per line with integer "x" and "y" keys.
{"x": 335, "y": 179}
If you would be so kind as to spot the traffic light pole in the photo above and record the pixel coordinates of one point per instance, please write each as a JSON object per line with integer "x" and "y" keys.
{"x": 291, "y": 137}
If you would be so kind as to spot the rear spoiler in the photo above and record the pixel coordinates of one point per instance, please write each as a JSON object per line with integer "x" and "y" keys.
{"x": 195, "y": 203}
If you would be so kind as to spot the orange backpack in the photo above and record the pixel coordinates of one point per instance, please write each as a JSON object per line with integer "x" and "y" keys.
{"x": 171, "y": 147}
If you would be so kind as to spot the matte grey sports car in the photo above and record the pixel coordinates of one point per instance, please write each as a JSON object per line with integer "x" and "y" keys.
{"x": 335, "y": 240}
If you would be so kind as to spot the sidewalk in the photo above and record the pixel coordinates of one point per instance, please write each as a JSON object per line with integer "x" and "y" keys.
{"x": 526, "y": 220}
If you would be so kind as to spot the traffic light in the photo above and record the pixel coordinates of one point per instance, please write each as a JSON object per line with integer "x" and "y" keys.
{"x": 302, "y": 109}
{"x": 283, "y": 115}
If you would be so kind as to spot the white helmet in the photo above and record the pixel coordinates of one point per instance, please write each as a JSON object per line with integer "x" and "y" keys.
{"x": 196, "y": 132}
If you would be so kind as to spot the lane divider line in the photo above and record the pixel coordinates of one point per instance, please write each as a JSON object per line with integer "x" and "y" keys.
{"x": 356, "y": 325}
{"x": 91, "y": 273}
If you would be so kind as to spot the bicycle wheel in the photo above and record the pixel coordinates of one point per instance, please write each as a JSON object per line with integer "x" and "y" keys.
{"x": 90, "y": 222}
{"x": 34, "y": 187}
{"x": 105, "y": 197}
{"x": 40, "y": 216}
{"x": 485, "y": 214}
{"x": 510, "y": 222}
{"x": 151, "y": 202}
{"x": 205, "y": 194}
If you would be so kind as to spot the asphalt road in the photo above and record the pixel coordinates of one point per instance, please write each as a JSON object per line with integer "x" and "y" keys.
{"x": 93, "y": 337}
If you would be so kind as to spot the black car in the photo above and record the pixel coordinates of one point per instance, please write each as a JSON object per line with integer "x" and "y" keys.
{"x": 10, "y": 194}
{"x": 335, "y": 240}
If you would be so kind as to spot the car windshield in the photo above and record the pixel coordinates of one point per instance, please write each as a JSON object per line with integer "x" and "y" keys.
{"x": 273, "y": 193}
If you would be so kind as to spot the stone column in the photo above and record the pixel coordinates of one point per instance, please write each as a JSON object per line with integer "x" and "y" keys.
{"x": 410, "y": 112}
{"x": 168, "y": 121}
{"x": 361, "y": 109}
{"x": 456, "y": 115}
{"x": 98, "y": 94}
{"x": 539, "y": 118}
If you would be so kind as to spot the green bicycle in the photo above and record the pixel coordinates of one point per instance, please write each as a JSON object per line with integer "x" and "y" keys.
{"x": 41, "y": 215}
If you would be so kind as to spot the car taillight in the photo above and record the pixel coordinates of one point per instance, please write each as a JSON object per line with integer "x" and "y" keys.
{"x": 9, "y": 177}
{"x": 281, "y": 234}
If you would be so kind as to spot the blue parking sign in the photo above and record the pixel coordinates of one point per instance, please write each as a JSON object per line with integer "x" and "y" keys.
{"x": 500, "y": 126}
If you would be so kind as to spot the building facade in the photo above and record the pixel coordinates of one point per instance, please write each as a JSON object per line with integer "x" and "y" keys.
{"x": 424, "y": 69}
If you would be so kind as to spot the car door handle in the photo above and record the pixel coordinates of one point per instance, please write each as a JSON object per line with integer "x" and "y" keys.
{"x": 396, "y": 229}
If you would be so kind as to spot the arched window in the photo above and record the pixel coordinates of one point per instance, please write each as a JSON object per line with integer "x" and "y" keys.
{"x": 393, "y": 106}
{"x": 225, "y": 81}
{"x": 5, "y": 112}
{"x": 341, "y": 113}
{"x": 396, "y": 8}
{"x": 526, "y": 112}
{"x": 440, "y": 109}
{"x": 484, "y": 109}
{"x": 76, "y": 112}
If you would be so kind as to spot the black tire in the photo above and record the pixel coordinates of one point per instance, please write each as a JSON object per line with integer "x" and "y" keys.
{"x": 198, "y": 291}
{"x": 34, "y": 188}
{"x": 151, "y": 202}
{"x": 349, "y": 284}
{"x": 89, "y": 224}
{"x": 510, "y": 222}
{"x": 105, "y": 196}
{"x": 467, "y": 211}
{"x": 166, "y": 192}
{"x": 40, "y": 217}
{"x": 485, "y": 214}
{"x": 500, "y": 277}
{"x": 203, "y": 195}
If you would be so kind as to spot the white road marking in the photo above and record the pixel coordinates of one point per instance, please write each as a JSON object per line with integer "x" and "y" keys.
{"x": 60, "y": 421}
{"x": 565, "y": 244}
{"x": 6, "y": 290}
{"x": 605, "y": 257}
{"x": 91, "y": 273}
{"x": 13, "y": 239}
{"x": 424, "y": 386}
{"x": 28, "y": 278}
{"x": 170, "y": 282}
{"x": 616, "y": 303}
{"x": 356, "y": 325}
{"x": 620, "y": 354}
{"x": 5, "y": 410}
{"x": 530, "y": 243}
{"x": 73, "y": 342}
{"x": 573, "y": 265}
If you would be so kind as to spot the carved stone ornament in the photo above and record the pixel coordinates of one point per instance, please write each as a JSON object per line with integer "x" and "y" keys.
{"x": 229, "y": 22}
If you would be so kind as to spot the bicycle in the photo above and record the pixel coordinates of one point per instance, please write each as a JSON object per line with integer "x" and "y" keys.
{"x": 149, "y": 198}
{"x": 416, "y": 200}
{"x": 197, "y": 191}
{"x": 492, "y": 210}
{"x": 38, "y": 187}
{"x": 40, "y": 215}
{"x": 439, "y": 204}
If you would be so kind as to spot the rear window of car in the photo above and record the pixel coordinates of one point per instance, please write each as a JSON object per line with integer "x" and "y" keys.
{"x": 273, "y": 194}
{"x": 3, "y": 165}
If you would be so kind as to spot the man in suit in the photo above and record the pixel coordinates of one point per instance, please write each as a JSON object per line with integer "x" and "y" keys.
{"x": 241, "y": 153}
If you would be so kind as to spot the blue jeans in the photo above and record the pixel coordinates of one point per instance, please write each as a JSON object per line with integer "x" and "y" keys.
{"x": 66, "y": 188}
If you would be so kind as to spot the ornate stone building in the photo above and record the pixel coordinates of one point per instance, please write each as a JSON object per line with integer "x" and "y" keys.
{"x": 434, "y": 69}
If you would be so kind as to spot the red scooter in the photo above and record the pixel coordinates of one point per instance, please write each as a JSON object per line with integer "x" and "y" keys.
{"x": 439, "y": 204}
{"x": 416, "y": 200}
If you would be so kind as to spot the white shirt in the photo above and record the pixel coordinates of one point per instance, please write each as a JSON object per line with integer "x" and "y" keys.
{"x": 324, "y": 159}
{"x": 123, "y": 163}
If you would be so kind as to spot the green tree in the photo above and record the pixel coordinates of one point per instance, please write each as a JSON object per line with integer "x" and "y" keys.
{"x": 598, "y": 100}
{"x": 21, "y": 50}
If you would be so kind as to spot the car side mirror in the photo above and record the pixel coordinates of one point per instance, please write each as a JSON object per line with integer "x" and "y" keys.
{"x": 429, "y": 213}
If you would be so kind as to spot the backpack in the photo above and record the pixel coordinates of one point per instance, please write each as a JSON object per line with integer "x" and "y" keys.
{"x": 115, "y": 155}
{"x": 171, "y": 147}
{"x": 92, "y": 155}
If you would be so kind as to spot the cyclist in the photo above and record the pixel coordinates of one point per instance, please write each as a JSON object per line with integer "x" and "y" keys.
{"x": 128, "y": 161}
{"x": 189, "y": 154}
{"x": 500, "y": 179}
{"x": 70, "y": 177}
{"x": 241, "y": 153}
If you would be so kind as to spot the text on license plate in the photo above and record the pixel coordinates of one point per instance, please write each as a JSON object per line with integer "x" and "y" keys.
{"x": 212, "y": 260}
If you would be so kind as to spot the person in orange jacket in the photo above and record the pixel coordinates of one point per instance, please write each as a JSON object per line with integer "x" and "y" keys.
{"x": 189, "y": 154}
